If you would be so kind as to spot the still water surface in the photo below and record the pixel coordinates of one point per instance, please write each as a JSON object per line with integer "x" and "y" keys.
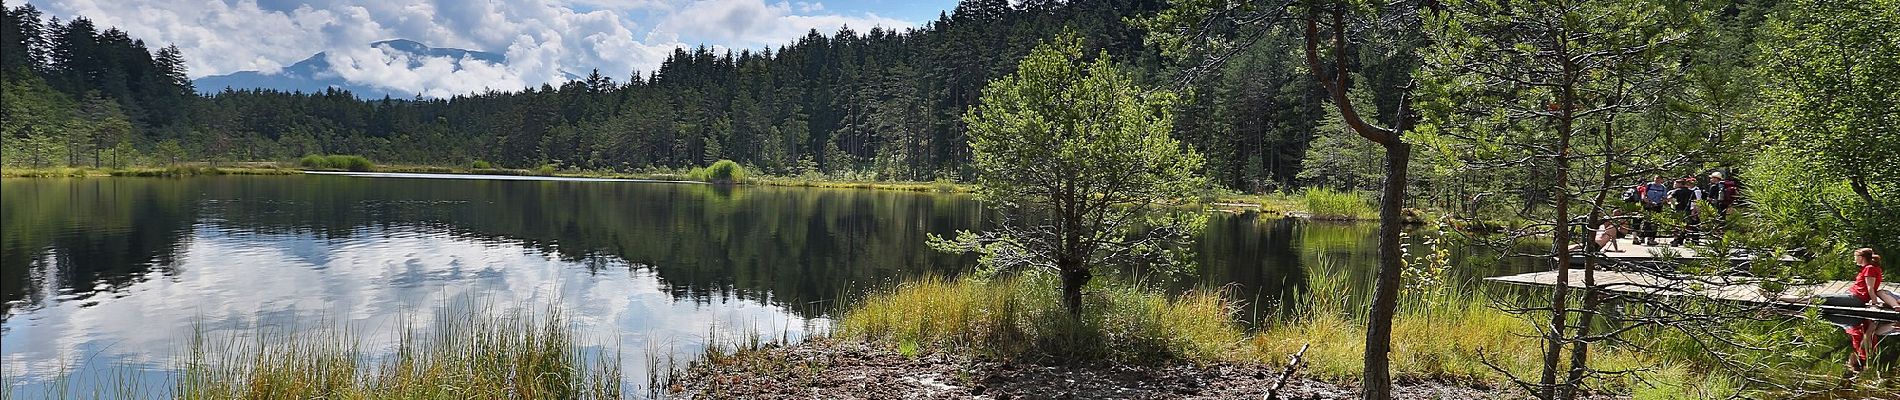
{"x": 109, "y": 275}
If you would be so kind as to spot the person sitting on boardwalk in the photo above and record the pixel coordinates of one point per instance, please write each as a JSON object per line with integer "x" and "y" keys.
{"x": 1867, "y": 283}
{"x": 1608, "y": 231}
{"x": 1605, "y": 237}
{"x": 1865, "y": 292}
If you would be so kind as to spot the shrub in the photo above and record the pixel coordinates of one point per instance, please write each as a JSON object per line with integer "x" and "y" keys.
{"x": 336, "y": 162}
{"x": 943, "y": 185}
{"x": 723, "y": 171}
{"x": 545, "y": 170}
{"x": 480, "y": 164}
{"x": 1323, "y": 203}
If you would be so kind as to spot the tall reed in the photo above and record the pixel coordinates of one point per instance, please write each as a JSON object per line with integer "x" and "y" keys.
{"x": 1328, "y": 204}
{"x": 467, "y": 352}
{"x": 1022, "y": 317}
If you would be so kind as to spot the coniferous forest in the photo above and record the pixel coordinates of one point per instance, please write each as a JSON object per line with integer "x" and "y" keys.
{"x": 875, "y": 103}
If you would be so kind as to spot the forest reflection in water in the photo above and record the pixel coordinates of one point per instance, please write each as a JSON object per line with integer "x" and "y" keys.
{"x": 119, "y": 271}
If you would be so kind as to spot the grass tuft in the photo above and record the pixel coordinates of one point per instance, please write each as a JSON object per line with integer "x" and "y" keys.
{"x": 1328, "y": 204}
{"x": 336, "y": 162}
{"x": 1022, "y": 317}
{"x": 722, "y": 171}
{"x": 469, "y": 352}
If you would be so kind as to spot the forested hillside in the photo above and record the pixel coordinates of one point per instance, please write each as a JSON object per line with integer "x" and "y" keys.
{"x": 878, "y": 104}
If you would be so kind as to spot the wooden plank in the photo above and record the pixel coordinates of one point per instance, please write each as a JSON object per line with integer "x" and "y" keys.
{"x": 1629, "y": 250}
{"x": 1725, "y": 288}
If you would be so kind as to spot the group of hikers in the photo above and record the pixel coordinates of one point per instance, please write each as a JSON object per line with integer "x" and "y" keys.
{"x": 1686, "y": 198}
{"x": 1691, "y": 200}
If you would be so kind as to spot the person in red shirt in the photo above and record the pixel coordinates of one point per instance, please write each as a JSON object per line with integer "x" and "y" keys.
{"x": 1865, "y": 292}
{"x": 1867, "y": 283}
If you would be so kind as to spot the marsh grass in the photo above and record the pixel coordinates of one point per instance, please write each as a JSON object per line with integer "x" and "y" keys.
{"x": 341, "y": 162}
{"x": 1328, "y": 204}
{"x": 722, "y": 171}
{"x": 1451, "y": 332}
{"x": 1445, "y": 334}
{"x": 468, "y": 352}
{"x": 1272, "y": 203}
{"x": 1022, "y": 317}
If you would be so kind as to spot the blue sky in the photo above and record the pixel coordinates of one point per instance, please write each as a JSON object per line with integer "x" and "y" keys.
{"x": 541, "y": 38}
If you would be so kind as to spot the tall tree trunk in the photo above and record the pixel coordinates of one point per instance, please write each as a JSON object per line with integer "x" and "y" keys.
{"x": 1385, "y": 295}
{"x": 1560, "y": 240}
{"x": 1074, "y": 276}
{"x": 1580, "y": 352}
{"x": 1376, "y": 374}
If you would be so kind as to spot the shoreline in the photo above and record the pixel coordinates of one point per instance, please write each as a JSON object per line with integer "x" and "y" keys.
{"x": 851, "y": 369}
{"x": 1283, "y": 206}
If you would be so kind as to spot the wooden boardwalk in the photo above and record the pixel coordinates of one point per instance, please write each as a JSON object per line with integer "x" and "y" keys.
{"x": 1727, "y": 288}
{"x": 1630, "y": 251}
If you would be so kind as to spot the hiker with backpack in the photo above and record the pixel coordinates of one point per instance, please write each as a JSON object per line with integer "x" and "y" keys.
{"x": 1720, "y": 195}
{"x": 1652, "y": 196}
{"x": 1683, "y": 200}
{"x": 1723, "y": 191}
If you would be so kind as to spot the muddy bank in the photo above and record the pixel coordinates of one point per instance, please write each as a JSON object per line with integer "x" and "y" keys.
{"x": 834, "y": 369}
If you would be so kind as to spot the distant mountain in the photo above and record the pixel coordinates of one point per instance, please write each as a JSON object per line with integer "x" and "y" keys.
{"x": 315, "y": 74}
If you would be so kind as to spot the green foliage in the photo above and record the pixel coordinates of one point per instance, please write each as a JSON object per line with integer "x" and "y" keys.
{"x": 1339, "y": 158}
{"x": 1328, "y": 204}
{"x": 545, "y": 170}
{"x": 1077, "y": 155}
{"x": 722, "y": 171}
{"x": 1831, "y": 108}
{"x": 336, "y": 162}
{"x": 1508, "y": 103}
{"x": 169, "y": 152}
{"x": 479, "y": 164}
{"x": 944, "y": 185}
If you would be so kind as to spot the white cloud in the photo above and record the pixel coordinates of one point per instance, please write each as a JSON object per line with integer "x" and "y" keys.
{"x": 430, "y": 76}
{"x": 541, "y": 38}
{"x": 753, "y": 23}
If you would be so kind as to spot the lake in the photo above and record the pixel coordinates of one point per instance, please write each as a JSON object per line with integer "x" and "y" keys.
{"x": 114, "y": 276}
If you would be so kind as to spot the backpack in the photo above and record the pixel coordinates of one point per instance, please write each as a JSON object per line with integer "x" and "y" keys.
{"x": 1731, "y": 192}
{"x": 1634, "y": 194}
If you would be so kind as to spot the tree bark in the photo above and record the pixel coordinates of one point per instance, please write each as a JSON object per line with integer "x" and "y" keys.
{"x": 1074, "y": 276}
{"x": 1560, "y": 240}
{"x": 1592, "y": 298}
{"x": 1376, "y": 374}
{"x": 1385, "y": 294}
